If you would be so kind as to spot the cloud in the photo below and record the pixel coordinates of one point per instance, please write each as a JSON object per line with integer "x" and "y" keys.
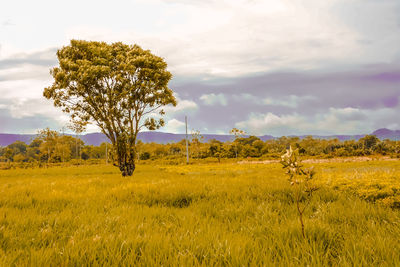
{"x": 260, "y": 124}
{"x": 26, "y": 125}
{"x": 183, "y": 106}
{"x": 223, "y": 102}
{"x": 242, "y": 37}
{"x": 333, "y": 121}
{"x": 7, "y": 23}
{"x": 315, "y": 62}
{"x": 246, "y": 97}
{"x": 174, "y": 126}
{"x": 25, "y": 72}
{"x": 291, "y": 101}
{"x": 214, "y": 99}
{"x": 348, "y": 114}
{"x": 22, "y": 107}
{"x": 27, "y": 66}
{"x": 45, "y": 58}
{"x": 25, "y": 89}
{"x": 238, "y": 37}
{"x": 185, "y": 2}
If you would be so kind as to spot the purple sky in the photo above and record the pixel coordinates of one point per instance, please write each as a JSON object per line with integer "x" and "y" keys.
{"x": 268, "y": 67}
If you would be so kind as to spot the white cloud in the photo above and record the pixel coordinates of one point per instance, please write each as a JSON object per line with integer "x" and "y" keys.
{"x": 224, "y": 37}
{"x": 183, "y": 106}
{"x": 291, "y": 101}
{"x": 174, "y": 126}
{"x": 334, "y": 121}
{"x": 28, "y": 89}
{"x": 92, "y": 128}
{"x": 348, "y": 114}
{"x": 260, "y": 124}
{"x": 241, "y": 37}
{"x": 22, "y": 107}
{"x": 247, "y": 97}
{"x": 214, "y": 99}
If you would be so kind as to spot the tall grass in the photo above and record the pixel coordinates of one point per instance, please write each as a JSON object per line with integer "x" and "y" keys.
{"x": 211, "y": 214}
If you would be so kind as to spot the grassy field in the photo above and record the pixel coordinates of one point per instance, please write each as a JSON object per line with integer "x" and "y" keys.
{"x": 211, "y": 214}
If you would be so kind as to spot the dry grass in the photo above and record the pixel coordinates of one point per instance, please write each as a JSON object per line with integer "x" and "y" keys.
{"x": 211, "y": 214}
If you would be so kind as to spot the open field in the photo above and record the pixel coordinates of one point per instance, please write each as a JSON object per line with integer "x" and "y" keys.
{"x": 209, "y": 214}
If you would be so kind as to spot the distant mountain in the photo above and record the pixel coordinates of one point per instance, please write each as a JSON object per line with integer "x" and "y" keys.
{"x": 340, "y": 137}
{"x": 146, "y": 137}
{"x": 163, "y": 138}
{"x": 387, "y": 134}
{"x": 6, "y": 139}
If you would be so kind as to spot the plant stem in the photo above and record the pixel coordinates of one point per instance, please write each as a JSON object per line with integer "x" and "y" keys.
{"x": 300, "y": 215}
{"x": 301, "y": 220}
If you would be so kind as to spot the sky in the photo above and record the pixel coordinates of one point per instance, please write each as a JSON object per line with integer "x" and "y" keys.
{"x": 276, "y": 67}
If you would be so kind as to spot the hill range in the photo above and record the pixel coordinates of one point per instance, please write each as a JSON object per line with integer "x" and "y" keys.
{"x": 163, "y": 138}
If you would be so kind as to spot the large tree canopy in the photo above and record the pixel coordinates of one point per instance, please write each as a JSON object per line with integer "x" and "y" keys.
{"x": 116, "y": 86}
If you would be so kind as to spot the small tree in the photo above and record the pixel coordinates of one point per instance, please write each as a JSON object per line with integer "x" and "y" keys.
{"x": 237, "y": 134}
{"x": 369, "y": 143}
{"x": 118, "y": 87}
{"x": 77, "y": 128}
{"x": 216, "y": 149}
{"x": 48, "y": 145}
{"x": 196, "y": 141}
{"x": 300, "y": 178}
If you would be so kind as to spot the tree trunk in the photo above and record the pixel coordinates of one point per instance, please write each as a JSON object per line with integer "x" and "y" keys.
{"x": 126, "y": 157}
{"x": 127, "y": 168}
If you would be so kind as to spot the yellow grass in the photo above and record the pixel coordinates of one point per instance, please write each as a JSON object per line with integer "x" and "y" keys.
{"x": 210, "y": 214}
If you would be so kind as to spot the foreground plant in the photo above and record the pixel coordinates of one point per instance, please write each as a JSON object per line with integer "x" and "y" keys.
{"x": 300, "y": 178}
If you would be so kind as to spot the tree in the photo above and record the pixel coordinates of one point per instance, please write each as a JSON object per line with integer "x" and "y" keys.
{"x": 77, "y": 128}
{"x": 237, "y": 134}
{"x": 116, "y": 86}
{"x": 18, "y": 147}
{"x": 215, "y": 149}
{"x": 196, "y": 140}
{"x": 369, "y": 142}
{"x": 8, "y": 154}
{"x": 259, "y": 146}
{"x": 48, "y": 144}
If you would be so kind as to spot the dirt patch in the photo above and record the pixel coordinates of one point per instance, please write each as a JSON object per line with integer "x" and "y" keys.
{"x": 258, "y": 162}
{"x": 350, "y": 159}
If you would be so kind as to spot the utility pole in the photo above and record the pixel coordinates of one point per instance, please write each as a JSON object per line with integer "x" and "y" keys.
{"x": 187, "y": 145}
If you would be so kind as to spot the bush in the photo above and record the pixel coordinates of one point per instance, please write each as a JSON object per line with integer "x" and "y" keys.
{"x": 144, "y": 156}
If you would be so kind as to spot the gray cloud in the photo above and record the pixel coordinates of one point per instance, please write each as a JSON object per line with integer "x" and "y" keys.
{"x": 334, "y": 67}
{"x": 45, "y": 58}
{"x": 344, "y": 121}
{"x": 7, "y": 23}
{"x": 216, "y": 104}
{"x": 9, "y": 124}
{"x": 25, "y": 66}
{"x": 351, "y": 97}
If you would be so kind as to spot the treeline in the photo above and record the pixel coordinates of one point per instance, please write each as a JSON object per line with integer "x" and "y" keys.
{"x": 253, "y": 147}
{"x": 52, "y": 147}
